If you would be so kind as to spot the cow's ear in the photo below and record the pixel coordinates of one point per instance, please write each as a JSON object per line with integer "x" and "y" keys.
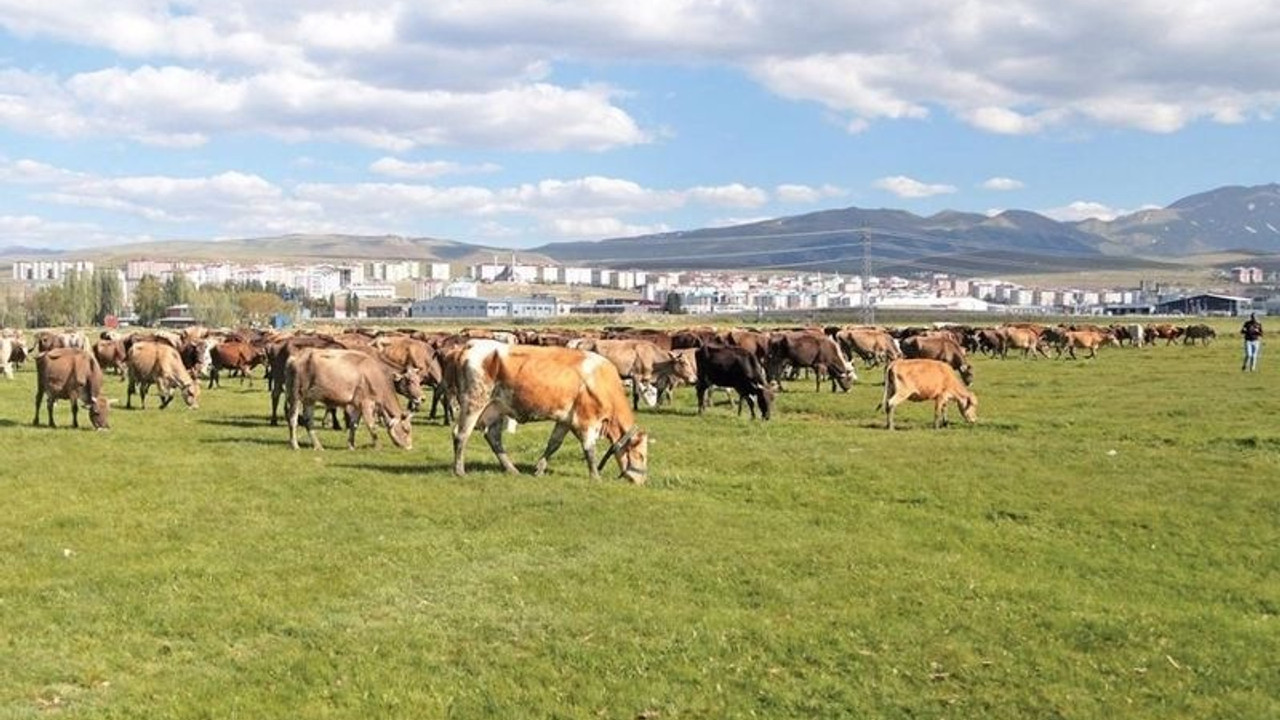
{"x": 397, "y": 376}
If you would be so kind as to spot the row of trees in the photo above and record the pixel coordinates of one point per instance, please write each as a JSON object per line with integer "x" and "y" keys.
{"x": 88, "y": 299}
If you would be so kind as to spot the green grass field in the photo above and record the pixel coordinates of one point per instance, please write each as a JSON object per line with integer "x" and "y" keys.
{"x": 1105, "y": 543}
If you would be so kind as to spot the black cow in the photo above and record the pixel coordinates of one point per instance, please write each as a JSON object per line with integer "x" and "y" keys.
{"x": 735, "y": 368}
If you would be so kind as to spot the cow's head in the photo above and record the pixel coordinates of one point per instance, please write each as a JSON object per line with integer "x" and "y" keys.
{"x": 632, "y": 451}
{"x": 409, "y": 384}
{"x": 191, "y": 393}
{"x": 401, "y": 430}
{"x": 968, "y": 407}
{"x": 98, "y": 408}
{"x": 685, "y": 368}
{"x": 966, "y": 373}
{"x": 764, "y": 398}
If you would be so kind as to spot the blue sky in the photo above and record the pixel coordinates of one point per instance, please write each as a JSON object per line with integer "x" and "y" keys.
{"x": 516, "y": 123}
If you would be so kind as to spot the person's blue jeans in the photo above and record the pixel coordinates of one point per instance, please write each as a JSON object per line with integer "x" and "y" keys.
{"x": 1251, "y": 348}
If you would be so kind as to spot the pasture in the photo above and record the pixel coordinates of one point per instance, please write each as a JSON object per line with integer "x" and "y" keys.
{"x": 1104, "y": 543}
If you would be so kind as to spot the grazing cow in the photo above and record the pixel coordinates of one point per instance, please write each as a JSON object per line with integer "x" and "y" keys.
{"x": 805, "y": 349}
{"x": 942, "y": 348}
{"x": 873, "y": 345}
{"x": 71, "y": 374}
{"x": 737, "y": 369}
{"x": 1089, "y": 340}
{"x": 923, "y": 379}
{"x": 159, "y": 363}
{"x": 111, "y": 354}
{"x": 580, "y": 391}
{"x": 1203, "y": 333}
{"x": 648, "y": 366}
{"x": 361, "y": 384}
{"x": 236, "y": 356}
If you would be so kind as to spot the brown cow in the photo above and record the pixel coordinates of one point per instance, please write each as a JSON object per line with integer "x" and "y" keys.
{"x": 873, "y": 345}
{"x": 1024, "y": 338}
{"x": 580, "y": 391}
{"x": 71, "y": 374}
{"x": 942, "y": 348}
{"x": 806, "y": 349}
{"x": 648, "y": 366}
{"x": 1166, "y": 331}
{"x": 111, "y": 354}
{"x": 924, "y": 379}
{"x": 13, "y": 351}
{"x": 160, "y": 364}
{"x": 361, "y": 384}
{"x": 235, "y": 355}
{"x": 1089, "y": 340}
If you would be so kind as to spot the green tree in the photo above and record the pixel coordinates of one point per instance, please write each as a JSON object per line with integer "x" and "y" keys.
{"x": 148, "y": 300}
{"x": 178, "y": 289}
{"x": 215, "y": 306}
{"x": 353, "y": 305}
{"x": 258, "y": 307}
{"x": 673, "y": 304}
{"x": 109, "y": 293}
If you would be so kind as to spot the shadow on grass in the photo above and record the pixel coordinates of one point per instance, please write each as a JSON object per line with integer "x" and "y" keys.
{"x": 282, "y": 441}
{"x": 241, "y": 421}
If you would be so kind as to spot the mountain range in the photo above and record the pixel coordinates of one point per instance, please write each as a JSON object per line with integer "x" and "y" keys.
{"x": 1229, "y": 219}
{"x": 1237, "y": 219}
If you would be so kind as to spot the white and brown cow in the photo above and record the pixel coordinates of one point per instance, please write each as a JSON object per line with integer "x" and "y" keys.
{"x": 159, "y": 363}
{"x": 578, "y": 390}
{"x": 71, "y": 374}
{"x": 923, "y": 379}
{"x": 359, "y": 383}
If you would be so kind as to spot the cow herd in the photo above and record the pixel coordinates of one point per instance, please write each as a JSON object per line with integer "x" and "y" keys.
{"x": 577, "y": 379}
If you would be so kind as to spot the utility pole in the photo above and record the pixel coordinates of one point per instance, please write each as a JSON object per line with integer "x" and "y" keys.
{"x": 868, "y": 311}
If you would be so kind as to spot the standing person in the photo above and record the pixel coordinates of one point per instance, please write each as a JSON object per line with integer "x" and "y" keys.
{"x": 1252, "y": 332}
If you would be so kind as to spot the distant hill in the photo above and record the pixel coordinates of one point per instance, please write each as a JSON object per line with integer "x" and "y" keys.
{"x": 1241, "y": 219}
{"x": 1229, "y": 218}
{"x": 832, "y": 240}
{"x": 296, "y": 248}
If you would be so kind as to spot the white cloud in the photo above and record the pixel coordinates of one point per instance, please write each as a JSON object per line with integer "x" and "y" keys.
{"x": 599, "y": 228}
{"x": 1083, "y": 210}
{"x": 424, "y": 170}
{"x": 806, "y": 194}
{"x": 1002, "y": 184}
{"x": 905, "y": 187}
{"x": 36, "y": 231}
{"x": 180, "y": 106}
{"x": 733, "y": 195}
{"x": 477, "y": 72}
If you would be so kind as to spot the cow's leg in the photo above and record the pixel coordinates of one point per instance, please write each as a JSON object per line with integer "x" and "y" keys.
{"x": 940, "y": 411}
{"x": 308, "y": 419}
{"x": 589, "y": 436}
{"x": 370, "y": 419}
{"x": 132, "y": 385}
{"x": 213, "y": 377}
{"x": 468, "y": 415}
{"x": 493, "y": 423}
{"x": 558, "y": 434}
{"x": 277, "y": 390}
{"x": 702, "y": 397}
{"x": 291, "y": 411}
{"x": 75, "y": 413}
{"x": 39, "y": 397}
